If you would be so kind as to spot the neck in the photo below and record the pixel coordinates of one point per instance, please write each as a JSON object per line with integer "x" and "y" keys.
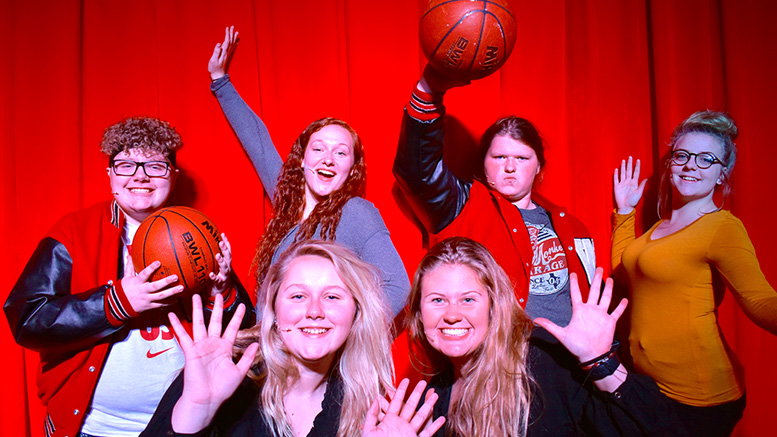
{"x": 133, "y": 220}
{"x": 310, "y": 204}
{"x": 685, "y": 209}
{"x": 524, "y": 203}
{"x": 312, "y": 378}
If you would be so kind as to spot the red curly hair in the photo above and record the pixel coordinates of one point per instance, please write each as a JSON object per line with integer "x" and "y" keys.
{"x": 289, "y": 199}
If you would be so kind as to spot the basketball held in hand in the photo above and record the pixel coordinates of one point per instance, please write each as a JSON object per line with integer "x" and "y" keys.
{"x": 184, "y": 240}
{"x": 467, "y": 39}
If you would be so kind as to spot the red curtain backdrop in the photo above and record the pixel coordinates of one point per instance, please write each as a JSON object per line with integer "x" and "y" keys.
{"x": 602, "y": 79}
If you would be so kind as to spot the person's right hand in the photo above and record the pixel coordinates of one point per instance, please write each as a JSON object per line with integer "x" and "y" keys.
{"x": 219, "y": 60}
{"x": 627, "y": 187}
{"x": 434, "y": 82}
{"x": 399, "y": 418}
{"x": 210, "y": 376}
{"x": 144, "y": 295}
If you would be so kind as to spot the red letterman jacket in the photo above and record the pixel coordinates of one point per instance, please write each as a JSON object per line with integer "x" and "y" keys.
{"x": 65, "y": 307}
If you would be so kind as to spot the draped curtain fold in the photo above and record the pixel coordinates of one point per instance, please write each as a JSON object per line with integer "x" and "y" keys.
{"x": 602, "y": 79}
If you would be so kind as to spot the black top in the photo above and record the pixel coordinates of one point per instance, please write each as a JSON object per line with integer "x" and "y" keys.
{"x": 567, "y": 405}
{"x": 240, "y": 416}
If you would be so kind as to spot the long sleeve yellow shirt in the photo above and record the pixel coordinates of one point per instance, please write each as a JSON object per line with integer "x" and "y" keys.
{"x": 676, "y": 284}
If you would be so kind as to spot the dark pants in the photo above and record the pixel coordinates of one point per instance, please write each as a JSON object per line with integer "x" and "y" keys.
{"x": 719, "y": 420}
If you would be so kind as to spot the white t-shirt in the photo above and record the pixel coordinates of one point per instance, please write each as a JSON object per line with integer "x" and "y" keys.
{"x": 136, "y": 374}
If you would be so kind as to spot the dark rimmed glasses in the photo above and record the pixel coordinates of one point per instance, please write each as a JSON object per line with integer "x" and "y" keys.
{"x": 703, "y": 159}
{"x": 152, "y": 169}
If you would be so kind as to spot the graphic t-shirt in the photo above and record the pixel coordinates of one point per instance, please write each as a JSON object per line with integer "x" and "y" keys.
{"x": 549, "y": 276}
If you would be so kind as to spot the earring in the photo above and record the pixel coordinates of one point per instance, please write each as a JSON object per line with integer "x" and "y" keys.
{"x": 720, "y": 182}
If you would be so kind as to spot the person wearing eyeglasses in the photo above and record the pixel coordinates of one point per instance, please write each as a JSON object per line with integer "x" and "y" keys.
{"x": 678, "y": 272}
{"x": 107, "y": 351}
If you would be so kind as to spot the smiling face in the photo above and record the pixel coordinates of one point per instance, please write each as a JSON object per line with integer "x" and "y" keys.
{"x": 139, "y": 195}
{"x": 314, "y": 310}
{"x": 454, "y": 311}
{"x": 510, "y": 168}
{"x": 689, "y": 181}
{"x": 328, "y": 159}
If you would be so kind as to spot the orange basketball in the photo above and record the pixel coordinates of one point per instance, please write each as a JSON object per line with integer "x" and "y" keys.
{"x": 184, "y": 240}
{"x": 467, "y": 39}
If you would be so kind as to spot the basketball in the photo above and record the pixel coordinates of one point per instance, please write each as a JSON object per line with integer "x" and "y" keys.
{"x": 184, "y": 240}
{"x": 467, "y": 39}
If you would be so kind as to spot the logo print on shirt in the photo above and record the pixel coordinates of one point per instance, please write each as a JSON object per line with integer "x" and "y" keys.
{"x": 549, "y": 272}
{"x": 150, "y": 354}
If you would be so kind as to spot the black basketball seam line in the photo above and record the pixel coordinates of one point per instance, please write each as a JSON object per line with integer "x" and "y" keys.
{"x": 485, "y": 7}
{"x": 480, "y": 38}
{"x": 197, "y": 227}
{"x": 175, "y": 252}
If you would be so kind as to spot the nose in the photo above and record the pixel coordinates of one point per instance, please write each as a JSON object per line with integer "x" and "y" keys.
{"x": 510, "y": 165}
{"x": 140, "y": 174}
{"x": 452, "y": 314}
{"x": 329, "y": 157}
{"x": 314, "y": 310}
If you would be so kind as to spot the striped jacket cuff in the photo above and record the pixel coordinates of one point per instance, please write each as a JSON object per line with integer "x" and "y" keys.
{"x": 117, "y": 307}
{"x": 425, "y": 107}
{"x": 230, "y": 296}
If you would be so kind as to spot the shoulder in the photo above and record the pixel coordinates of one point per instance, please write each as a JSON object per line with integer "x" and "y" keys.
{"x": 556, "y": 212}
{"x": 724, "y": 224}
{"x": 361, "y": 213}
{"x": 90, "y": 218}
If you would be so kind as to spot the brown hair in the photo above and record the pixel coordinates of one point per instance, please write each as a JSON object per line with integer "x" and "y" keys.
{"x": 143, "y": 133}
{"x": 517, "y": 128}
{"x": 496, "y": 386}
{"x": 289, "y": 199}
{"x": 715, "y": 124}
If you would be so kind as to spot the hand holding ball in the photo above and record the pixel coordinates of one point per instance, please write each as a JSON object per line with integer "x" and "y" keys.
{"x": 184, "y": 240}
{"x": 467, "y": 39}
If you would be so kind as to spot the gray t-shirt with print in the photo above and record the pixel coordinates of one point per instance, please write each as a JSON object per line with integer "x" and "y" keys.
{"x": 549, "y": 276}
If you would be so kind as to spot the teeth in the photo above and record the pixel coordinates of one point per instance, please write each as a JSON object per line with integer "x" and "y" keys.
{"x": 460, "y": 332}
{"x": 326, "y": 173}
{"x": 140, "y": 190}
{"x": 688, "y": 178}
{"x": 314, "y": 331}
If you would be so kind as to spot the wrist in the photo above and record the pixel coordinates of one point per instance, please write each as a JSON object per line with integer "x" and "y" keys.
{"x": 625, "y": 210}
{"x": 216, "y": 75}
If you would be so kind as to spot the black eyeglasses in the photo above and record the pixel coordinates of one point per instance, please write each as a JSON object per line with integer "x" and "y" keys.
{"x": 703, "y": 159}
{"x": 152, "y": 169}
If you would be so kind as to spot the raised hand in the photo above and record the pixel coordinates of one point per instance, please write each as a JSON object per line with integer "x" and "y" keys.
{"x": 399, "y": 418}
{"x": 219, "y": 60}
{"x": 627, "y": 187}
{"x": 434, "y": 82}
{"x": 144, "y": 295}
{"x": 590, "y": 332}
{"x": 210, "y": 375}
{"x": 222, "y": 281}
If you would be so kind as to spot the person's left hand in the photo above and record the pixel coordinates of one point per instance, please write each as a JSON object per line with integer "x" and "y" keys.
{"x": 222, "y": 281}
{"x": 399, "y": 418}
{"x": 222, "y": 52}
{"x": 591, "y": 329}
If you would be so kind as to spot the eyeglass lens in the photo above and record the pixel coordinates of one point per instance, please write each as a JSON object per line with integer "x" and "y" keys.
{"x": 703, "y": 160}
{"x": 151, "y": 168}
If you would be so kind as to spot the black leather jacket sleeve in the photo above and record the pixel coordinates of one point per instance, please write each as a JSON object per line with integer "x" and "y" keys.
{"x": 44, "y": 313}
{"x": 437, "y": 195}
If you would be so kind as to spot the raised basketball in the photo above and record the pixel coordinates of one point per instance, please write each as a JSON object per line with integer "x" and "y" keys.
{"x": 184, "y": 240}
{"x": 467, "y": 39}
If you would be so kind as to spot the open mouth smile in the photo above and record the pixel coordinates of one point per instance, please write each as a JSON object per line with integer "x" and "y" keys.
{"x": 325, "y": 173}
{"x": 454, "y": 332}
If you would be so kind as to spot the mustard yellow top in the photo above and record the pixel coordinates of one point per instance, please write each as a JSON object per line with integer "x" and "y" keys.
{"x": 676, "y": 285}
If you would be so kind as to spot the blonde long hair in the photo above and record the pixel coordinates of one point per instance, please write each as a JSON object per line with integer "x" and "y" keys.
{"x": 495, "y": 390}
{"x": 364, "y": 361}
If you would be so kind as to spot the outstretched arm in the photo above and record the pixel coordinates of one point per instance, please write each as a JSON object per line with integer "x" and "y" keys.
{"x": 210, "y": 374}
{"x": 591, "y": 330}
{"x": 249, "y": 128}
{"x": 436, "y": 194}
